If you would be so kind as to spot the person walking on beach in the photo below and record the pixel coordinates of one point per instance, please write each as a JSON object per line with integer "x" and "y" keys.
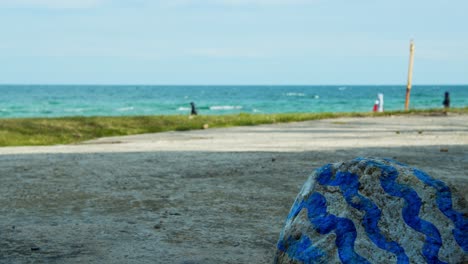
{"x": 194, "y": 109}
{"x": 446, "y": 101}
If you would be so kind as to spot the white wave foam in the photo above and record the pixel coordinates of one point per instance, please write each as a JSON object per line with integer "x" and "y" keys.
{"x": 74, "y": 110}
{"x": 124, "y": 109}
{"x": 342, "y": 88}
{"x": 225, "y": 107}
{"x": 183, "y": 109}
{"x": 316, "y": 97}
{"x": 295, "y": 94}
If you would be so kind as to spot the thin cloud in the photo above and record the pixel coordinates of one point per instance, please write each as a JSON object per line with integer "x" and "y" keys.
{"x": 226, "y": 53}
{"x": 266, "y": 2}
{"x": 85, "y": 4}
{"x": 235, "y": 3}
{"x": 51, "y": 4}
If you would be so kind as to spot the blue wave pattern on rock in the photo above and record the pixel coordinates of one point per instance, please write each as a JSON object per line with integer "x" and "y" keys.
{"x": 325, "y": 223}
{"x": 297, "y": 244}
{"x": 411, "y": 211}
{"x": 349, "y": 186}
{"x": 444, "y": 202}
{"x": 302, "y": 249}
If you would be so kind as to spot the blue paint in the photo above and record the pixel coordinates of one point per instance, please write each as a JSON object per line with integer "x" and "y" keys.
{"x": 324, "y": 174}
{"x": 296, "y": 208}
{"x": 444, "y": 202}
{"x": 302, "y": 250}
{"x": 325, "y": 223}
{"x": 411, "y": 210}
{"x": 349, "y": 186}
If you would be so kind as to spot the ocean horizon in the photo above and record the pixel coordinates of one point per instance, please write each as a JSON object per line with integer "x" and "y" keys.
{"x": 19, "y": 101}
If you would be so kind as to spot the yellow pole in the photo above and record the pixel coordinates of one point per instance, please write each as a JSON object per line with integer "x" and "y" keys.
{"x": 410, "y": 75}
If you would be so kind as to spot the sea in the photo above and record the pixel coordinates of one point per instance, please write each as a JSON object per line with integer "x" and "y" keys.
{"x": 20, "y": 101}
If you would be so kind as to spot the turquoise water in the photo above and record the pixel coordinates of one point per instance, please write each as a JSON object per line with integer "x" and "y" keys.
{"x": 91, "y": 100}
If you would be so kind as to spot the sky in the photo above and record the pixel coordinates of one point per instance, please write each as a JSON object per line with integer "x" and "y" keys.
{"x": 232, "y": 42}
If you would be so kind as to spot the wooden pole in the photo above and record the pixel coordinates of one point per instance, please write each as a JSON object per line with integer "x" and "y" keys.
{"x": 410, "y": 75}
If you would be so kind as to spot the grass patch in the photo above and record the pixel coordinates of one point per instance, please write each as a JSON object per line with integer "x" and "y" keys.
{"x": 67, "y": 130}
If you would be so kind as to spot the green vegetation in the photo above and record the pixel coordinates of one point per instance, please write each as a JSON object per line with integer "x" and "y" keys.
{"x": 66, "y": 130}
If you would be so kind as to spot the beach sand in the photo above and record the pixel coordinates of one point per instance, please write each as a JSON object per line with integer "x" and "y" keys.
{"x": 206, "y": 196}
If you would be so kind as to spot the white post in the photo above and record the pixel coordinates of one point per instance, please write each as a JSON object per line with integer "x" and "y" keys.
{"x": 380, "y": 96}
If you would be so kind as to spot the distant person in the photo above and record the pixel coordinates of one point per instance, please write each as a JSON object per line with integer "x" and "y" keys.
{"x": 194, "y": 109}
{"x": 446, "y": 101}
{"x": 376, "y": 106}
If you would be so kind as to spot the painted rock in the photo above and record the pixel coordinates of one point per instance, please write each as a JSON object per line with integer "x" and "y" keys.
{"x": 375, "y": 211}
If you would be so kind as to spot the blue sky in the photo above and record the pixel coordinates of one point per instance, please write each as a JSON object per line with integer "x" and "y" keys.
{"x": 232, "y": 41}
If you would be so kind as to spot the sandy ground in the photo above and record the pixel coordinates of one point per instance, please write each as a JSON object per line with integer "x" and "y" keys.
{"x": 209, "y": 196}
